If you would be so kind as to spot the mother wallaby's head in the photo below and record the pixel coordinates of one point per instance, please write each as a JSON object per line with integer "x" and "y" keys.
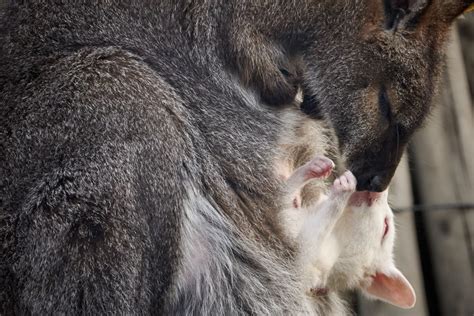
{"x": 369, "y": 67}
{"x": 374, "y": 77}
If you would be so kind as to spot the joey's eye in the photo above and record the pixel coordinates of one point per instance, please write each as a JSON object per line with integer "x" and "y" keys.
{"x": 385, "y": 228}
{"x": 384, "y": 104}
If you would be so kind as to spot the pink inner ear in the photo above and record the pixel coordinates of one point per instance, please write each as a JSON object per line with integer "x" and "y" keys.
{"x": 394, "y": 289}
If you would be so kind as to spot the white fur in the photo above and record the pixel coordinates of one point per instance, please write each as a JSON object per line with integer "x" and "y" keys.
{"x": 341, "y": 245}
{"x": 360, "y": 231}
{"x": 213, "y": 280}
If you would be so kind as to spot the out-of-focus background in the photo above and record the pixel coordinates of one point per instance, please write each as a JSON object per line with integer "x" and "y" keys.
{"x": 433, "y": 193}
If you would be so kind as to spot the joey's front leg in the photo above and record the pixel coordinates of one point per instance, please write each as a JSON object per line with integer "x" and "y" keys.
{"x": 293, "y": 215}
{"x": 319, "y": 248}
{"x": 323, "y": 216}
{"x": 319, "y": 167}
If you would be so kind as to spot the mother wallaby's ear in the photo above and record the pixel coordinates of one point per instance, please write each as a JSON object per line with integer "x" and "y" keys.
{"x": 454, "y": 8}
{"x": 404, "y": 14}
{"x": 470, "y": 8}
{"x": 407, "y": 14}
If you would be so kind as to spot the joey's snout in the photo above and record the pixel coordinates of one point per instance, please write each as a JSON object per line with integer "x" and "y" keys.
{"x": 360, "y": 198}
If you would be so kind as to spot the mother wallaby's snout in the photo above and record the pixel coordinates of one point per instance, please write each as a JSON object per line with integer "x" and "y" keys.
{"x": 374, "y": 163}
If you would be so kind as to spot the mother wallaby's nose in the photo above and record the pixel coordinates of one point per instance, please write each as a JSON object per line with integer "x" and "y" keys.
{"x": 377, "y": 184}
{"x": 373, "y": 183}
{"x": 363, "y": 182}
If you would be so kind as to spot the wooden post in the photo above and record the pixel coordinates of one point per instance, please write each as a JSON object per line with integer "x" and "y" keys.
{"x": 466, "y": 32}
{"x": 406, "y": 249}
{"x": 443, "y": 155}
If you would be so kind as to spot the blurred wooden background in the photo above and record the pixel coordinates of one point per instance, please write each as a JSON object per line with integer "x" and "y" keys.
{"x": 433, "y": 190}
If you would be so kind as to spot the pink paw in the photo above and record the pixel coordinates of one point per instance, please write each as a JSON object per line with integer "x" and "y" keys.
{"x": 320, "y": 168}
{"x": 345, "y": 184}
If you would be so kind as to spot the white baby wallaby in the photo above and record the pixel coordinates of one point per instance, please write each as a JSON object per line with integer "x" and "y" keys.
{"x": 346, "y": 239}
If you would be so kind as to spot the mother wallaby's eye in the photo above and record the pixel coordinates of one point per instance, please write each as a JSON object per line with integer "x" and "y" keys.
{"x": 385, "y": 228}
{"x": 384, "y": 104}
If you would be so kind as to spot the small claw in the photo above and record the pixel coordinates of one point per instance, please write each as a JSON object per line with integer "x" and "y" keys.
{"x": 346, "y": 183}
{"x": 320, "y": 168}
{"x": 319, "y": 291}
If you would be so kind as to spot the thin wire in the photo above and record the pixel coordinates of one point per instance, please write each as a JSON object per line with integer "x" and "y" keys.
{"x": 435, "y": 207}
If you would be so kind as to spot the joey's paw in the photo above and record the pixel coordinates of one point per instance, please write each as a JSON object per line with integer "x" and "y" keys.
{"x": 344, "y": 185}
{"x": 316, "y": 279}
{"x": 318, "y": 291}
{"x": 320, "y": 168}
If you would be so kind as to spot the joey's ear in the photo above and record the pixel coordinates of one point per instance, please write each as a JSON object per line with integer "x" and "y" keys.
{"x": 404, "y": 14}
{"x": 392, "y": 287}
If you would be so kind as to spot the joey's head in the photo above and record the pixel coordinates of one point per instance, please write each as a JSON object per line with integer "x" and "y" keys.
{"x": 372, "y": 71}
{"x": 367, "y": 233}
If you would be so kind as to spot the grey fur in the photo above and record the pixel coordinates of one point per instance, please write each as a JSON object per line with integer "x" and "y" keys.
{"x": 212, "y": 254}
{"x": 112, "y": 111}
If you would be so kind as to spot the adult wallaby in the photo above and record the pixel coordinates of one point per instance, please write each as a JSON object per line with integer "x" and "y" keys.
{"x": 138, "y": 138}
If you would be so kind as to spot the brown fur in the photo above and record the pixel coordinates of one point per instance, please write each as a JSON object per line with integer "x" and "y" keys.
{"x": 350, "y": 53}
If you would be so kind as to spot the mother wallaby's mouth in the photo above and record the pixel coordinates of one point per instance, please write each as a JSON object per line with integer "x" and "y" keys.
{"x": 375, "y": 179}
{"x": 375, "y": 168}
{"x": 373, "y": 183}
